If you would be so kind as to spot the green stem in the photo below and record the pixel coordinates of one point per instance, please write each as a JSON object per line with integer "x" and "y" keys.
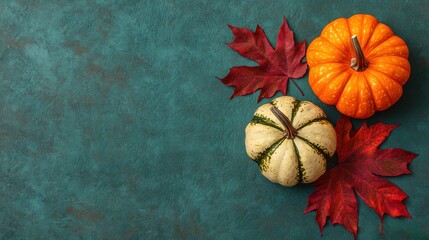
{"x": 290, "y": 132}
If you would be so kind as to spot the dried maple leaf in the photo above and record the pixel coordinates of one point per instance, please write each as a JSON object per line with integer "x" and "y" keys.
{"x": 276, "y": 66}
{"x": 360, "y": 165}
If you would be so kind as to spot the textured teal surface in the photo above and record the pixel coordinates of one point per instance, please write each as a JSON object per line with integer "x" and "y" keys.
{"x": 113, "y": 125}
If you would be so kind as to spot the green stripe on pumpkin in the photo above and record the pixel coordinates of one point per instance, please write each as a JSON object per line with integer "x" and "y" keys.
{"x": 301, "y": 170}
{"x": 318, "y": 119}
{"x": 263, "y": 160}
{"x": 319, "y": 149}
{"x": 295, "y": 110}
{"x": 261, "y": 119}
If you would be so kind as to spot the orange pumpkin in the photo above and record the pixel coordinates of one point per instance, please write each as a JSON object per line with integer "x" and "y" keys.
{"x": 359, "y": 65}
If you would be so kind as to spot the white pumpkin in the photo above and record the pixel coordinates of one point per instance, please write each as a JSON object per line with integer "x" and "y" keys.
{"x": 290, "y": 141}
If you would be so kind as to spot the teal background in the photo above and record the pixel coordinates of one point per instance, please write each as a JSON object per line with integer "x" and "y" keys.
{"x": 113, "y": 125}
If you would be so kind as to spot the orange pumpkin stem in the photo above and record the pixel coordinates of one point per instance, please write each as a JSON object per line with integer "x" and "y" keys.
{"x": 359, "y": 63}
{"x": 290, "y": 132}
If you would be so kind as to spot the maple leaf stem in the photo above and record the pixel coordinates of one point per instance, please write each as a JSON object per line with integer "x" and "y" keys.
{"x": 359, "y": 63}
{"x": 290, "y": 132}
{"x": 296, "y": 85}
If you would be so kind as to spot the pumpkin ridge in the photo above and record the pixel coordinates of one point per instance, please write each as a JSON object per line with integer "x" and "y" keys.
{"x": 372, "y": 93}
{"x": 391, "y": 55}
{"x": 361, "y": 18}
{"x": 336, "y": 32}
{"x": 263, "y": 159}
{"x": 340, "y": 73}
{"x": 320, "y": 150}
{"x": 294, "y": 111}
{"x": 318, "y": 119}
{"x": 366, "y": 23}
{"x": 325, "y": 39}
{"x": 382, "y": 86}
{"x": 336, "y": 62}
{"x": 388, "y": 55}
{"x": 343, "y": 93}
{"x": 378, "y": 44}
{"x": 342, "y": 62}
{"x": 393, "y": 79}
{"x": 298, "y": 159}
{"x": 356, "y": 110}
{"x": 358, "y": 98}
{"x": 381, "y": 47}
{"x": 392, "y": 64}
{"x": 364, "y": 19}
{"x": 260, "y": 119}
{"x": 349, "y": 31}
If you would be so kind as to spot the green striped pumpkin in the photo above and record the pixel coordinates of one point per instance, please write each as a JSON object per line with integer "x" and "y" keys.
{"x": 290, "y": 141}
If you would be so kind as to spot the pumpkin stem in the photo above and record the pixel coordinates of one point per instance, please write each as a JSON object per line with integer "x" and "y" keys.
{"x": 290, "y": 132}
{"x": 359, "y": 63}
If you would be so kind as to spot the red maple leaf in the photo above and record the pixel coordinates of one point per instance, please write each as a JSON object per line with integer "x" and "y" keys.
{"x": 360, "y": 166}
{"x": 276, "y": 66}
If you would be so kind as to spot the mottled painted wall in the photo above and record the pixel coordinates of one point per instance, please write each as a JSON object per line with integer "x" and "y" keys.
{"x": 113, "y": 125}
